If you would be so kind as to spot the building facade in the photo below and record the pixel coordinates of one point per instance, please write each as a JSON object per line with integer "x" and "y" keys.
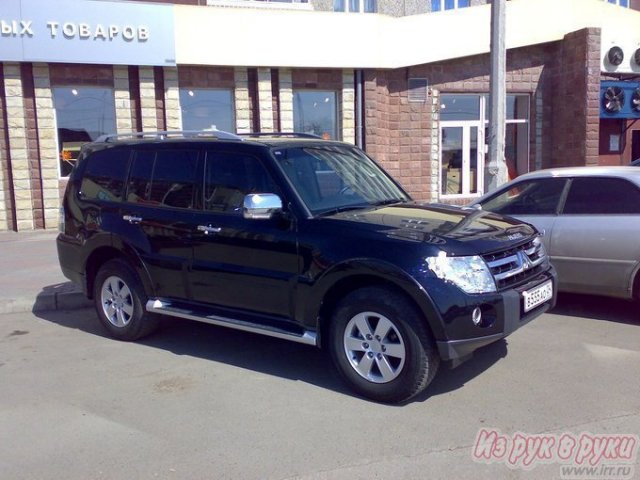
{"x": 414, "y": 97}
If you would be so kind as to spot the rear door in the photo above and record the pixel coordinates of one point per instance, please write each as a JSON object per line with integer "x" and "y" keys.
{"x": 595, "y": 239}
{"x": 238, "y": 263}
{"x": 158, "y": 215}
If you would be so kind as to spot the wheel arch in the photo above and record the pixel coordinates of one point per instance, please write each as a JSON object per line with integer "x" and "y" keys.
{"x": 352, "y": 276}
{"x": 103, "y": 254}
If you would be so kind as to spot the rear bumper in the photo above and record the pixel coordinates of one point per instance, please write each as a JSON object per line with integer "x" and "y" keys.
{"x": 69, "y": 256}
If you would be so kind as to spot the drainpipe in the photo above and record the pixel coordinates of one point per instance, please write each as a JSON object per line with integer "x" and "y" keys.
{"x": 359, "y": 109}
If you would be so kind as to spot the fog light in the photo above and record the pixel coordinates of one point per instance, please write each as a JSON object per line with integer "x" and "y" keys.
{"x": 476, "y": 316}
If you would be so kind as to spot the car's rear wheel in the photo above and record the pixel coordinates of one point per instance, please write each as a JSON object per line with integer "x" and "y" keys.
{"x": 120, "y": 302}
{"x": 381, "y": 345}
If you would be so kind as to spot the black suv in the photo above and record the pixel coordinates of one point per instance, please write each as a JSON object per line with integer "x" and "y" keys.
{"x": 298, "y": 238}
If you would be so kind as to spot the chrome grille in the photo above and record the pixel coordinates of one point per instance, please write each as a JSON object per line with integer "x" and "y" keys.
{"x": 517, "y": 265}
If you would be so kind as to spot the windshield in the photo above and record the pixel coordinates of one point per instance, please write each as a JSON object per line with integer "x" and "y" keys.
{"x": 335, "y": 178}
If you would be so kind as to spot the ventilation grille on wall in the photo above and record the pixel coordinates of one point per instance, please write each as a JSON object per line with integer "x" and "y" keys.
{"x": 619, "y": 99}
{"x": 418, "y": 90}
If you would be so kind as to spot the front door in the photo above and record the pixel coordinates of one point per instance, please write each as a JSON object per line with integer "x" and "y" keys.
{"x": 462, "y": 151}
{"x": 242, "y": 264}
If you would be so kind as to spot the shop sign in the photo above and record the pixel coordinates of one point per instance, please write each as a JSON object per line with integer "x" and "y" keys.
{"x": 87, "y": 31}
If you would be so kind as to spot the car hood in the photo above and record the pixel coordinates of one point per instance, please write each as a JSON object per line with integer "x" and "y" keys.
{"x": 453, "y": 229}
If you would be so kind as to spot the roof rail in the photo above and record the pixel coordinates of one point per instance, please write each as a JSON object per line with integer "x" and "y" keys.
{"x": 280, "y": 135}
{"x": 163, "y": 135}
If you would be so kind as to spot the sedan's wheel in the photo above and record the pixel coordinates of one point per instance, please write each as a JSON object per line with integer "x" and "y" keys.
{"x": 381, "y": 345}
{"x": 120, "y": 299}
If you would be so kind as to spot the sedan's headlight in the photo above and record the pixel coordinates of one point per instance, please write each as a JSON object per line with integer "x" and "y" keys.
{"x": 470, "y": 274}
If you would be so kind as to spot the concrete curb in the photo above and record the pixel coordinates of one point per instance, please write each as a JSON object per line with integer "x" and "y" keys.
{"x": 65, "y": 296}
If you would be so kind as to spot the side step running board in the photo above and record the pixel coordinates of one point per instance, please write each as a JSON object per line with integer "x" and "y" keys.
{"x": 165, "y": 308}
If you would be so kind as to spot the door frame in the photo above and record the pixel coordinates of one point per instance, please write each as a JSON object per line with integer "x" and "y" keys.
{"x": 466, "y": 126}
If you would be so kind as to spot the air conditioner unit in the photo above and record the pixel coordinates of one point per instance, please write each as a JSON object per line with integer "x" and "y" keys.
{"x": 620, "y": 56}
{"x": 619, "y": 99}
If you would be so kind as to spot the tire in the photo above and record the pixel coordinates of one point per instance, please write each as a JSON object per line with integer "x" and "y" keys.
{"x": 120, "y": 302}
{"x": 392, "y": 368}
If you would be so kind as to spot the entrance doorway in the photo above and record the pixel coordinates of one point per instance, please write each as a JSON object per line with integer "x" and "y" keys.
{"x": 462, "y": 161}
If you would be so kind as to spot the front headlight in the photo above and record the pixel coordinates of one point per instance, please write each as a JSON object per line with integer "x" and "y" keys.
{"x": 470, "y": 274}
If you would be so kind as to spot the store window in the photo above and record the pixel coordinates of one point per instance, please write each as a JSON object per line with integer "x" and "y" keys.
{"x": 207, "y": 109}
{"x": 622, "y": 3}
{"x": 464, "y": 131}
{"x": 438, "y": 5}
{"x": 316, "y": 112}
{"x": 82, "y": 115}
{"x": 355, "y": 6}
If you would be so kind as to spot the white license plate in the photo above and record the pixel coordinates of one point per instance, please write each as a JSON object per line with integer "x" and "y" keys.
{"x": 538, "y": 295}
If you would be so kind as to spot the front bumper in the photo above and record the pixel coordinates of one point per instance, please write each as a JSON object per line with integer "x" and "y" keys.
{"x": 508, "y": 315}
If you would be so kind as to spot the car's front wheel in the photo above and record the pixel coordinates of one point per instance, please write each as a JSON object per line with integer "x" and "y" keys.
{"x": 381, "y": 346}
{"x": 120, "y": 302}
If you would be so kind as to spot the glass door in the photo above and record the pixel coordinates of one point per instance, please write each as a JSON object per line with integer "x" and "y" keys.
{"x": 462, "y": 158}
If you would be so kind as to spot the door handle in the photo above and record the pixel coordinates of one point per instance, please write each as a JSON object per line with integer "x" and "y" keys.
{"x": 207, "y": 230}
{"x": 132, "y": 219}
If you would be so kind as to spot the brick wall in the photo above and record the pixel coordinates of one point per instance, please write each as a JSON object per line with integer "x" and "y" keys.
{"x": 7, "y": 205}
{"x": 398, "y": 133}
{"x": 575, "y": 97}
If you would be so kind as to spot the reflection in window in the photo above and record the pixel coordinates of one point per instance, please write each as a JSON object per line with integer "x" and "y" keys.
{"x": 355, "y": 6}
{"x": 105, "y": 175}
{"x": 166, "y": 178}
{"x": 315, "y": 111}
{"x": 82, "y": 115}
{"x": 207, "y": 109}
{"x": 438, "y": 5}
{"x": 460, "y": 107}
{"x": 533, "y": 197}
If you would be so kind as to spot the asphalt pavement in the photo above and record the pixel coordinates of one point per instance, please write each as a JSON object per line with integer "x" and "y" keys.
{"x": 31, "y": 279}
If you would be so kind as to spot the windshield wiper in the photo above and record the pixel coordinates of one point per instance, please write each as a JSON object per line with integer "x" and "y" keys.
{"x": 391, "y": 201}
{"x": 342, "y": 208}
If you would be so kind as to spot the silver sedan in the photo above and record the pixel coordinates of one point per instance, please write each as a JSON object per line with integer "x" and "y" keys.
{"x": 590, "y": 217}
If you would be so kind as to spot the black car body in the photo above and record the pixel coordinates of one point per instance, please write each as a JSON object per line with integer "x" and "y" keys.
{"x": 295, "y": 268}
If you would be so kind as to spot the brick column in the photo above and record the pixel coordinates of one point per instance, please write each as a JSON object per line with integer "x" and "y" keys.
{"x": 172, "y": 99}
{"x": 286, "y": 100}
{"x": 124, "y": 120}
{"x": 47, "y": 138}
{"x": 6, "y": 193}
{"x": 347, "y": 107}
{"x": 148, "y": 100}
{"x": 265, "y": 100}
{"x": 433, "y": 194}
{"x": 242, "y": 101}
{"x": 18, "y": 147}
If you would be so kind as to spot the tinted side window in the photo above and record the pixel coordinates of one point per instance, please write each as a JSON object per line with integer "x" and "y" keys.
{"x": 533, "y": 197}
{"x": 165, "y": 177}
{"x": 105, "y": 174}
{"x": 602, "y": 196}
{"x": 229, "y": 177}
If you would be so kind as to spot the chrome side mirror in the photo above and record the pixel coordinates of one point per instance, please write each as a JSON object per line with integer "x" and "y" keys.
{"x": 261, "y": 206}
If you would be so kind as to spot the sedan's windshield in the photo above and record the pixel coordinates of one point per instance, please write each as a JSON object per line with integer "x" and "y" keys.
{"x": 334, "y": 178}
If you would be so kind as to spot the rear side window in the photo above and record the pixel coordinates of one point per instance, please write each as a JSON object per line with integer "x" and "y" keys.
{"x": 533, "y": 197}
{"x": 164, "y": 178}
{"x": 602, "y": 196}
{"x": 105, "y": 175}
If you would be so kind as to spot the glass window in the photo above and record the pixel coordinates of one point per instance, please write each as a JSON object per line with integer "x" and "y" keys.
{"x": 602, "y": 196}
{"x": 231, "y": 176}
{"x": 533, "y": 197}
{"x": 438, "y": 5}
{"x": 517, "y": 107}
{"x": 449, "y": 4}
{"x": 315, "y": 111}
{"x": 82, "y": 115}
{"x": 460, "y": 107}
{"x": 166, "y": 178}
{"x": 336, "y": 178}
{"x": 207, "y": 108}
{"x": 435, "y": 5}
{"x": 355, "y": 6}
{"x": 105, "y": 174}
